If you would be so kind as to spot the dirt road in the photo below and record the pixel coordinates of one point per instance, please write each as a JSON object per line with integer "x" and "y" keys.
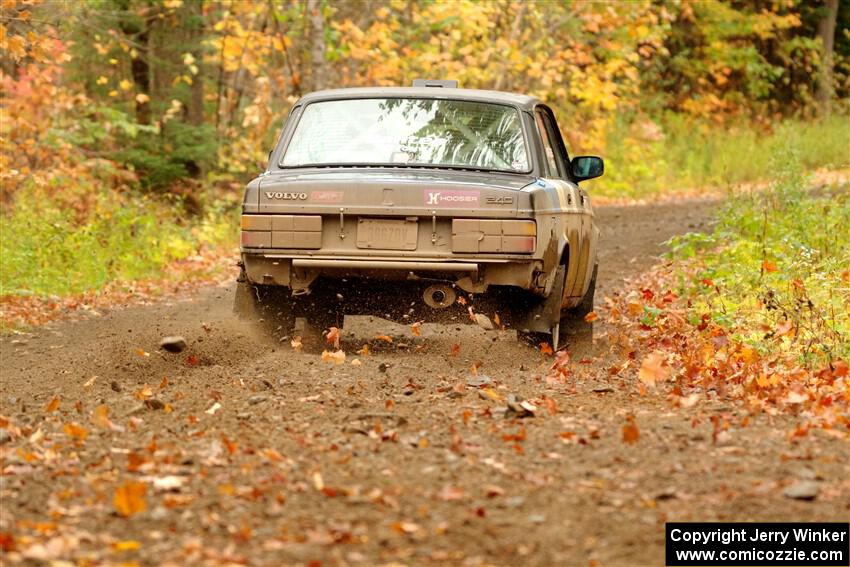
{"x": 241, "y": 450}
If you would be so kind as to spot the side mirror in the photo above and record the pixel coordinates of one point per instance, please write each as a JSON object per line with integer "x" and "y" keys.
{"x": 586, "y": 167}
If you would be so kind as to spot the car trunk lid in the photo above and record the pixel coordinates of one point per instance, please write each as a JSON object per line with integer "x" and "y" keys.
{"x": 390, "y": 192}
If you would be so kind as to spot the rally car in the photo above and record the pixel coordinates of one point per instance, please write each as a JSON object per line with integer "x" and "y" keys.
{"x": 420, "y": 203}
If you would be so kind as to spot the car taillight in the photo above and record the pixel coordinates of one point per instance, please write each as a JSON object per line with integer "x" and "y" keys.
{"x": 282, "y": 231}
{"x": 256, "y": 222}
{"x": 494, "y": 236}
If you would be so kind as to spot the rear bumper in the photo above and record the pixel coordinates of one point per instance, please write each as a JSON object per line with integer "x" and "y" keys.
{"x": 298, "y": 272}
{"x": 369, "y": 265}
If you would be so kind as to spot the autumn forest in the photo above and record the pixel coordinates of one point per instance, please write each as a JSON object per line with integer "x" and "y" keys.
{"x": 141, "y": 423}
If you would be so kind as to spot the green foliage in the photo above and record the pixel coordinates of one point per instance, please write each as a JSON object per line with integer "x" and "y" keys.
{"x": 46, "y": 250}
{"x": 777, "y": 267}
{"x": 100, "y": 125}
{"x": 644, "y": 159}
{"x": 180, "y": 151}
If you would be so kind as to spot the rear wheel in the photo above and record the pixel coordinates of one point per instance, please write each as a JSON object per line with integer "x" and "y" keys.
{"x": 586, "y": 304}
{"x": 573, "y": 328}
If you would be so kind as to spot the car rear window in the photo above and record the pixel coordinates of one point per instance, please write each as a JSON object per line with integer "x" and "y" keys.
{"x": 408, "y": 132}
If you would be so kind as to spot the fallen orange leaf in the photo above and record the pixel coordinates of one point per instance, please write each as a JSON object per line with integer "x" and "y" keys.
{"x": 385, "y": 338}
{"x": 631, "y": 433}
{"x": 129, "y": 498}
{"x": 416, "y": 328}
{"x": 228, "y": 444}
{"x": 591, "y": 317}
{"x": 546, "y": 349}
{"x": 126, "y": 545}
{"x": 144, "y": 393}
{"x": 100, "y": 416}
{"x": 652, "y": 369}
{"x": 405, "y": 527}
{"x": 272, "y": 455}
{"x": 52, "y": 406}
{"x": 337, "y": 357}
{"x": 467, "y": 415}
{"x": 518, "y": 436}
{"x": 492, "y": 394}
{"x": 135, "y": 461}
{"x": 76, "y": 431}
{"x": 333, "y": 337}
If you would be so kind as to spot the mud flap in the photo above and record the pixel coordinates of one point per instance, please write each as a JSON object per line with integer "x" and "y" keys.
{"x": 545, "y": 315}
{"x": 246, "y": 301}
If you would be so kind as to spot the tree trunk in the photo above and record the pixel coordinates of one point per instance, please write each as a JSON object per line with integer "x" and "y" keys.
{"x": 141, "y": 73}
{"x": 317, "y": 44}
{"x": 195, "y": 114}
{"x": 138, "y": 30}
{"x": 826, "y": 31}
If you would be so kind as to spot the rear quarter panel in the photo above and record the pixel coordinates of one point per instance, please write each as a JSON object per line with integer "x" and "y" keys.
{"x": 566, "y": 230}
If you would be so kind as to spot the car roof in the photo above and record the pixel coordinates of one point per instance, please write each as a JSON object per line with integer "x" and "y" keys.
{"x": 523, "y": 101}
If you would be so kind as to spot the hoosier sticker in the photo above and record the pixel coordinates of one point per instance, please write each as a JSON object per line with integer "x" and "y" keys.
{"x": 451, "y": 198}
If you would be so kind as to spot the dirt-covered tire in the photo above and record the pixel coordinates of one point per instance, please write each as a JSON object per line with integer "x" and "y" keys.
{"x": 574, "y": 331}
{"x": 586, "y": 304}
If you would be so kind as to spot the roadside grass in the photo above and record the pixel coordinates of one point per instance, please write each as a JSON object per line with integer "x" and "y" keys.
{"x": 683, "y": 156}
{"x": 757, "y": 310}
{"x": 777, "y": 268}
{"x": 54, "y": 250}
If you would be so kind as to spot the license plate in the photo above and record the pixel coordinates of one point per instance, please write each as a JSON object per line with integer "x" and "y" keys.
{"x": 387, "y": 234}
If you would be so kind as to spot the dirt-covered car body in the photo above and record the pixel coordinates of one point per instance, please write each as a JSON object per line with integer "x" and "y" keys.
{"x": 449, "y": 229}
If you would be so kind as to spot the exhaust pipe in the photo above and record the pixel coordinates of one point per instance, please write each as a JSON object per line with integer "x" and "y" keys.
{"x": 439, "y": 296}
